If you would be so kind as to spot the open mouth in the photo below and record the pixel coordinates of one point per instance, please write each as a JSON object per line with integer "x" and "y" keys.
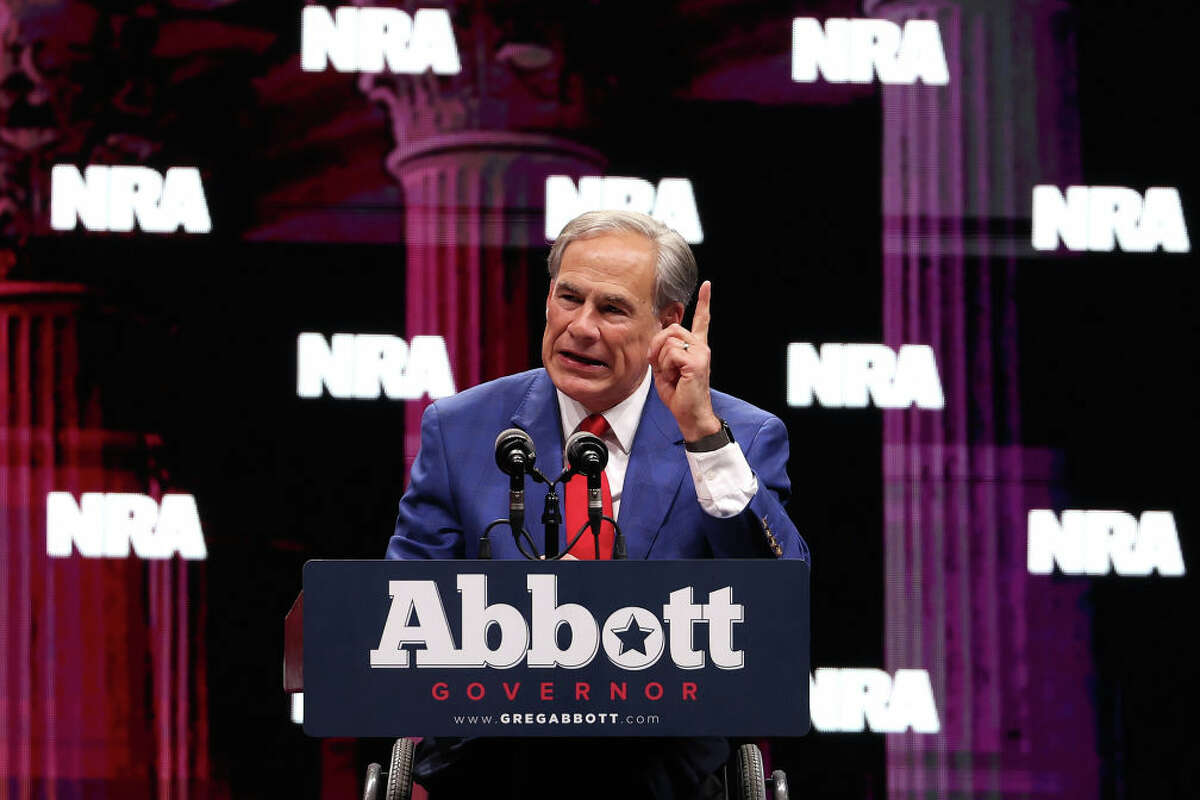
{"x": 582, "y": 360}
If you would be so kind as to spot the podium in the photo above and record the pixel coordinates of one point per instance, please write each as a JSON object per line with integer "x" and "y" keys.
{"x": 551, "y": 648}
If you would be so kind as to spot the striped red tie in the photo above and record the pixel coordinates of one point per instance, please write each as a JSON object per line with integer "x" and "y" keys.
{"x": 576, "y": 503}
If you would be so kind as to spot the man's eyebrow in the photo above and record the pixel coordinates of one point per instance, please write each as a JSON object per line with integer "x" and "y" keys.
{"x": 613, "y": 299}
{"x": 618, "y": 300}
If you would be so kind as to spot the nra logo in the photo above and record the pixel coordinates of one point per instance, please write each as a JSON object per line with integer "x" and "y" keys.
{"x": 672, "y": 203}
{"x": 365, "y": 365}
{"x": 356, "y": 39}
{"x": 1099, "y": 542}
{"x": 632, "y": 637}
{"x": 106, "y": 524}
{"x": 116, "y": 198}
{"x": 1102, "y": 218}
{"x": 849, "y": 700}
{"x": 851, "y": 375}
{"x": 859, "y": 50}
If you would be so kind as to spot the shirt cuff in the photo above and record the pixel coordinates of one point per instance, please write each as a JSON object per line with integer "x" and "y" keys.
{"x": 725, "y": 484}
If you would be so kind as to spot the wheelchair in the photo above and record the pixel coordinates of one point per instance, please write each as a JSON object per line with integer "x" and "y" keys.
{"x": 744, "y": 777}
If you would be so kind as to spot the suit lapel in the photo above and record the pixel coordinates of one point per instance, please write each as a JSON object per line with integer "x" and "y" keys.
{"x": 537, "y": 415}
{"x": 656, "y": 466}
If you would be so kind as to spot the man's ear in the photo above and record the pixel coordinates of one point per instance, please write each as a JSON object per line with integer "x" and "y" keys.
{"x": 670, "y": 314}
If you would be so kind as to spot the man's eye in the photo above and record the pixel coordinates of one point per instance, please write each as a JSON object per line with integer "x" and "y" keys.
{"x": 613, "y": 310}
{"x": 569, "y": 298}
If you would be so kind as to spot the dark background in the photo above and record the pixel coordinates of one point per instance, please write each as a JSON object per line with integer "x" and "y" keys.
{"x": 788, "y": 190}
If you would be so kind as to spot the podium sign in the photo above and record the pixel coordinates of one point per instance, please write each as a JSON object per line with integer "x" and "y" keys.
{"x": 572, "y": 648}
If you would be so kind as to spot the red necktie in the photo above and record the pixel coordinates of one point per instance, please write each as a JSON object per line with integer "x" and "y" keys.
{"x": 576, "y": 503}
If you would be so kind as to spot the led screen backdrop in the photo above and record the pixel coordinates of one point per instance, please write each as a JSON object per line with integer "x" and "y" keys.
{"x": 245, "y": 244}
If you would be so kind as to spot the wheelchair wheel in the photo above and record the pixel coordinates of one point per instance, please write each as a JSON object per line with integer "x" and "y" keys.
{"x": 778, "y": 785}
{"x": 748, "y": 780}
{"x": 399, "y": 777}
{"x": 371, "y": 785}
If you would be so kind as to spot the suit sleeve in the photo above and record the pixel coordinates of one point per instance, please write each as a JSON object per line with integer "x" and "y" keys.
{"x": 427, "y": 524}
{"x": 763, "y": 528}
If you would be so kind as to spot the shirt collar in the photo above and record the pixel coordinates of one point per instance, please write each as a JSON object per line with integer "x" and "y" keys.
{"x": 622, "y": 419}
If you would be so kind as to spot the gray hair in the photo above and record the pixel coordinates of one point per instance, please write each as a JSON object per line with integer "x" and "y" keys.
{"x": 674, "y": 267}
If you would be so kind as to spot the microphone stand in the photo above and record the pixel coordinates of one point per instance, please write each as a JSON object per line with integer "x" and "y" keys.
{"x": 551, "y": 514}
{"x": 595, "y": 510}
{"x": 620, "y": 551}
{"x": 551, "y": 519}
{"x": 516, "y": 502}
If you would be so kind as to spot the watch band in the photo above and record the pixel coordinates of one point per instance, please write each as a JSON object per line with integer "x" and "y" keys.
{"x": 714, "y": 441}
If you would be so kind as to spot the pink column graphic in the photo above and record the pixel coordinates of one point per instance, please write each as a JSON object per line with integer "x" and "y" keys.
{"x": 473, "y": 151}
{"x": 475, "y": 232}
{"x": 959, "y": 165}
{"x": 102, "y": 675}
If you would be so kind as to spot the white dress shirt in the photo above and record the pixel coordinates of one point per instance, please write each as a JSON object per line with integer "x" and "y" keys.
{"x": 724, "y": 481}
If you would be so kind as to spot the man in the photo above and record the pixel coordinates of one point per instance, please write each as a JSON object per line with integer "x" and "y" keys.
{"x": 692, "y": 473}
{"x": 619, "y": 284}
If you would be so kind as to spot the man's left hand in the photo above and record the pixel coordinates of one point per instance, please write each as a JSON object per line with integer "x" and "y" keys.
{"x": 682, "y": 364}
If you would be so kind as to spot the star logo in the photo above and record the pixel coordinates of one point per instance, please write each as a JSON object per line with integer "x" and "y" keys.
{"x": 632, "y": 637}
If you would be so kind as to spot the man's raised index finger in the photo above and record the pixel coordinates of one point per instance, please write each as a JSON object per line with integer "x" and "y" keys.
{"x": 702, "y": 316}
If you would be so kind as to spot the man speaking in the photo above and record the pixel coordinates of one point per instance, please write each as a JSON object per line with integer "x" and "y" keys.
{"x": 691, "y": 473}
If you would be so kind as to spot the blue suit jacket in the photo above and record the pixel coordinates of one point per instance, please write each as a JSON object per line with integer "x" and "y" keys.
{"x": 456, "y": 488}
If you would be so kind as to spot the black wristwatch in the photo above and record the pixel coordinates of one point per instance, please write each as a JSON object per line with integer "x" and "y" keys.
{"x": 714, "y": 441}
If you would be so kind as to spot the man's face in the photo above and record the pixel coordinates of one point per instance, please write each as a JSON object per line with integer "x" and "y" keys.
{"x": 600, "y": 319}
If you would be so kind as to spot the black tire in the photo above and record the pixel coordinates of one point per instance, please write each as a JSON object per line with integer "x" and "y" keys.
{"x": 399, "y": 779}
{"x": 371, "y": 785}
{"x": 749, "y": 782}
{"x": 779, "y": 784}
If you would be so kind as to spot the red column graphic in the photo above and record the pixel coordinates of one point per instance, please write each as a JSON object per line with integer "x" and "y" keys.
{"x": 102, "y": 674}
{"x": 473, "y": 153}
{"x": 959, "y": 164}
{"x": 475, "y": 232}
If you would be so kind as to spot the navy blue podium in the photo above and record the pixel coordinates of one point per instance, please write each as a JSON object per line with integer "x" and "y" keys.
{"x": 558, "y": 648}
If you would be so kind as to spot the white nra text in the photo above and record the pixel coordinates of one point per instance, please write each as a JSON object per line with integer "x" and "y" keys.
{"x": 1104, "y": 218}
{"x": 370, "y": 39}
{"x": 848, "y": 700}
{"x": 851, "y": 375}
{"x": 364, "y": 365}
{"x": 106, "y": 524}
{"x": 673, "y": 203}
{"x": 859, "y": 50}
{"x": 118, "y": 198}
{"x": 1099, "y": 542}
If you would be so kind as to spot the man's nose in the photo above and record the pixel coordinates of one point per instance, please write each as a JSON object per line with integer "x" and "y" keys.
{"x": 583, "y": 324}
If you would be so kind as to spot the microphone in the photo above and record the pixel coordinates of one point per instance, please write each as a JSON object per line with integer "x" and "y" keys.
{"x": 515, "y": 456}
{"x": 587, "y": 455}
